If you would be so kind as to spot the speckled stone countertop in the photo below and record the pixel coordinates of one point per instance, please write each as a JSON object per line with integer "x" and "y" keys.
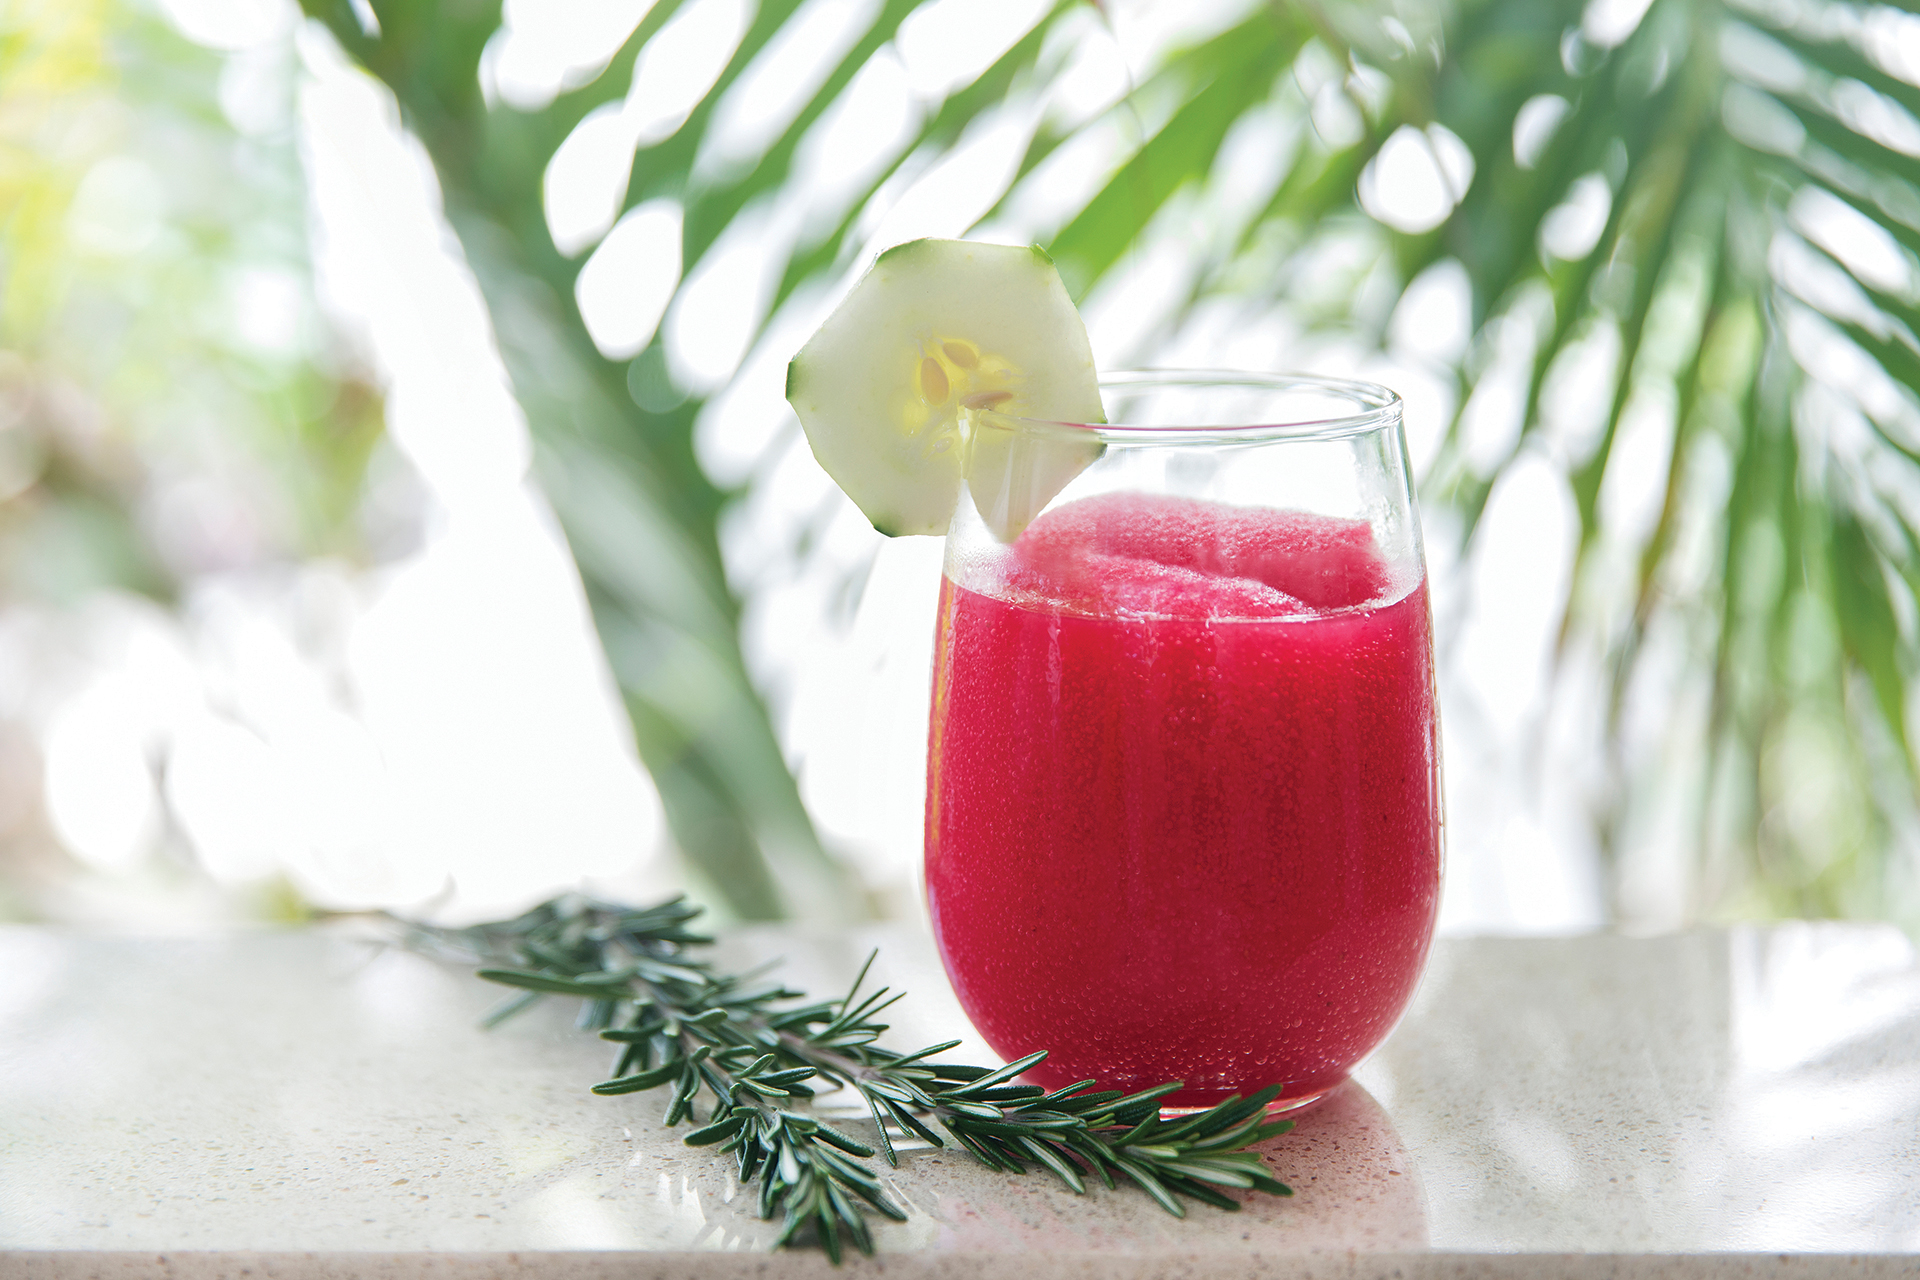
{"x": 307, "y": 1104}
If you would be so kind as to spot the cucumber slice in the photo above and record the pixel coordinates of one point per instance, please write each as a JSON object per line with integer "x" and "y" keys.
{"x": 938, "y": 336}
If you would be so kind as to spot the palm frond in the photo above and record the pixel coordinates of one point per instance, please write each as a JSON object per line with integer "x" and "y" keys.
{"x": 1753, "y": 275}
{"x": 1715, "y": 128}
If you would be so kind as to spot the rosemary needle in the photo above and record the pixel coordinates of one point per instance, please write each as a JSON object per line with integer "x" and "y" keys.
{"x": 754, "y": 1051}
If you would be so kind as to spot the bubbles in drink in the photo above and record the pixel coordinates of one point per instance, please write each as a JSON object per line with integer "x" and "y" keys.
{"x": 1182, "y": 813}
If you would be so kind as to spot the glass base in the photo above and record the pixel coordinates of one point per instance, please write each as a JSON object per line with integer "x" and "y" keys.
{"x": 1279, "y": 1106}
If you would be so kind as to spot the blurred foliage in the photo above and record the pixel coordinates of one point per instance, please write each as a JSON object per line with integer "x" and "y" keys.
{"x": 1717, "y": 139}
{"x": 1783, "y": 552}
{"x": 168, "y": 400}
{"x": 638, "y": 512}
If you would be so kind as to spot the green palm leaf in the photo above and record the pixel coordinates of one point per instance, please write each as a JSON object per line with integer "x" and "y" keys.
{"x": 1760, "y": 166}
{"x": 1718, "y": 132}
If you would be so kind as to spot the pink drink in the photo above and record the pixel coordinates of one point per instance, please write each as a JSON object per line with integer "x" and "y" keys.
{"x": 1183, "y": 806}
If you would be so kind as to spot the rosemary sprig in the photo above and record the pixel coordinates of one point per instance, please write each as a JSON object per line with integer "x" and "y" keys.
{"x": 737, "y": 1038}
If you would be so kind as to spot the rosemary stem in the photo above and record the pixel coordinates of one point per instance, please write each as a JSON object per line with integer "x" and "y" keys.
{"x": 687, "y": 1024}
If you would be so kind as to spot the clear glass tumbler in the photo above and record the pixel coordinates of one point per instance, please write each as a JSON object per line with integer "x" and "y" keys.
{"x": 1183, "y": 802}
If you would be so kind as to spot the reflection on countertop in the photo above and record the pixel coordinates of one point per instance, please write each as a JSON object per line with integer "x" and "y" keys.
{"x": 1756, "y": 1089}
{"x": 1354, "y": 1189}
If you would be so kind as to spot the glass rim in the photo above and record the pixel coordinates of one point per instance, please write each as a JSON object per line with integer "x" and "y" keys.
{"x": 1376, "y": 407}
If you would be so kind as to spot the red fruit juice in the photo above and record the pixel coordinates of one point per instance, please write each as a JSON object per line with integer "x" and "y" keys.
{"x": 1183, "y": 811}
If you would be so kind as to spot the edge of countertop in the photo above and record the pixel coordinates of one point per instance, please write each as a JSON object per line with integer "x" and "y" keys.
{"x": 620, "y": 1265}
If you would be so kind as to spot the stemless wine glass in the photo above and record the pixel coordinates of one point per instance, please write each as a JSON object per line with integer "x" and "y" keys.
{"x": 1183, "y": 794}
